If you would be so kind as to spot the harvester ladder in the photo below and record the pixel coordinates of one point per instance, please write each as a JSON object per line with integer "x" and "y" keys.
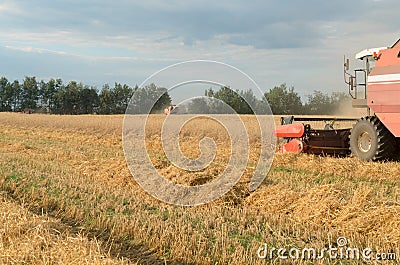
{"x": 359, "y": 74}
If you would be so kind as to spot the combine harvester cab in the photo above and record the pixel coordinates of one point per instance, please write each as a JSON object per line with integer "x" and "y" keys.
{"x": 376, "y": 88}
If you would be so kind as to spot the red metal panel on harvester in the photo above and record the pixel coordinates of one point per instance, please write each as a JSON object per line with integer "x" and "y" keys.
{"x": 293, "y": 146}
{"x": 384, "y": 88}
{"x": 295, "y": 130}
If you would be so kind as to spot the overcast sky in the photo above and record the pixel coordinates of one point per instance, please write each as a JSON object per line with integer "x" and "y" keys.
{"x": 301, "y": 43}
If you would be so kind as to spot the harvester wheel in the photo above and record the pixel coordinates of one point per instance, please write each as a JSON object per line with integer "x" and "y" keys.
{"x": 370, "y": 140}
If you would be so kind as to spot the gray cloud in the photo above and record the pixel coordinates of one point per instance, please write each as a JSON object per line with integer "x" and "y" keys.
{"x": 263, "y": 24}
{"x": 301, "y": 43}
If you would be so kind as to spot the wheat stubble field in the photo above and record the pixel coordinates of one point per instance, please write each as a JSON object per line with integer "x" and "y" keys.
{"x": 67, "y": 197}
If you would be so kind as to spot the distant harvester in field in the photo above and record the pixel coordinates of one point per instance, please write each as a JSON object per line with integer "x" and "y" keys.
{"x": 26, "y": 111}
{"x": 168, "y": 110}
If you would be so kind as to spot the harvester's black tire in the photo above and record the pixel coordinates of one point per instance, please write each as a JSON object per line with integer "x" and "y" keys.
{"x": 371, "y": 141}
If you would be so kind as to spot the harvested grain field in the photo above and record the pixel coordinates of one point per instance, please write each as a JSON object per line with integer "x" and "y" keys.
{"x": 67, "y": 190}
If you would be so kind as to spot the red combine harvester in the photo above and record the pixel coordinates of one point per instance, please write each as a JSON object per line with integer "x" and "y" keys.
{"x": 376, "y": 87}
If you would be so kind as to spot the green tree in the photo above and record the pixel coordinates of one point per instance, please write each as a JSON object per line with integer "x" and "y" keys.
{"x": 58, "y": 104}
{"x": 122, "y": 95}
{"x": 71, "y": 98}
{"x": 16, "y": 95}
{"x": 199, "y": 105}
{"x": 106, "y": 100}
{"x": 248, "y": 102}
{"x": 4, "y": 94}
{"x": 319, "y": 103}
{"x": 30, "y": 93}
{"x": 209, "y": 92}
{"x": 242, "y": 102}
{"x": 88, "y": 100}
{"x": 228, "y": 96}
{"x": 235, "y": 99}
{"x": 47, "y": 94}
{"x": 149, "y": 99}
{"x": 338, "y": 98}
{"x": 283, "y": 100}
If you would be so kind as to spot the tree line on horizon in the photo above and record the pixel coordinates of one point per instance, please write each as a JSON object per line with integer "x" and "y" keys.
{"x": 57, "y": 97}
{"x": 284, "y": 100}
{"x": 281, "y": 99}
